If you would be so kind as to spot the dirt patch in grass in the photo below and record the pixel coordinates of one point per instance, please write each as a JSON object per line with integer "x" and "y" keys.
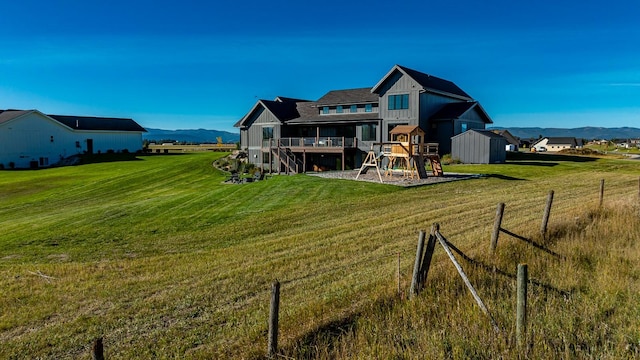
{"x": 396, "y": 178}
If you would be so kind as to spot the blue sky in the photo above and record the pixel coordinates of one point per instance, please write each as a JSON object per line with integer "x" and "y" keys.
{"x": 203, "y": 64}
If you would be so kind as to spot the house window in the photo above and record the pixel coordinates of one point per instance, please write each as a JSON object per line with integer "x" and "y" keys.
{"x": 265, "y": 157}
{"x": 44, "y": 161}
{"x": 339, "y": 109}
{"x": 325, "y": 109}
{"x": 399, "y": 102}
{"x": 368, "y": 108}
{"x": 463, "y": 127}
{"x": 354, "y": 108}
{"x": 369, "y": 132}
{"x": 267, "y": 133}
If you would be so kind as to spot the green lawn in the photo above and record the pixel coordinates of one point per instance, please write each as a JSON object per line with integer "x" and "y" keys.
{"x": 163, "y": 260}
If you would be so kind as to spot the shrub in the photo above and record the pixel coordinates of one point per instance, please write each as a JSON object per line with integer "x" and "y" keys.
{"x": 247, "y": 168}
{"x": 12, "y": 165}
{"x": 448, "y": 160}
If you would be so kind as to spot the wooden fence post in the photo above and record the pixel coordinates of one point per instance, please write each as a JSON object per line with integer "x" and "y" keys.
{"x": 97, "y": 350}
{"x": 273, "y": 319}
{"x": 521, "y": 316}
{"x": 496, "y": 228}
{"x": 547, "y": 213}
{"x": 428, "y": 254}
{"x": 601, "y": 192}
{"x": 415, "y": 280}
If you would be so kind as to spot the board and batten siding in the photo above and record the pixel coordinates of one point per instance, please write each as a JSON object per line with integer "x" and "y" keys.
{"x": 398, "y": 84}
{"x": 473, "y": 147}
{"x": 261, "y": 119}
{"x": 244, "y": 133}
{"x": 472, "y": 120}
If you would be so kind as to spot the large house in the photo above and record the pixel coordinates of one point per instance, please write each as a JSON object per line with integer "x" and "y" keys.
{"x": 31, "y": 139}
{"x": 337, "y": 130}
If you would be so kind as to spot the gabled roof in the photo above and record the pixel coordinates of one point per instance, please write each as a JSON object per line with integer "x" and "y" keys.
{"x": 507, "y": 135}
{"x": 281, "y": 110}
{"x": 407, "y": 129}
{"x": 348, "y": 97}
{"x": 452, "y": 111}
{"x": 309, "y": 114}
{"x": 98, "y": 123}
{"x": 428, "y": 83}
{"x": 487, "y": 133}
{"x": 80, "y": 122}
{"x": 6, "y": 115}
{"x": 562, "y": 141}
{"x": 286, "y": 99}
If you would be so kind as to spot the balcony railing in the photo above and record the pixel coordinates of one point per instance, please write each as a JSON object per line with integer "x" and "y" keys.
{"x": 316, "y": 142}
{"x": 402, "y": 149}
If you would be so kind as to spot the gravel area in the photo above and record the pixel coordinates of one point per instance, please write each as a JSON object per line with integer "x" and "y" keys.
{"x": 395, "y": 179}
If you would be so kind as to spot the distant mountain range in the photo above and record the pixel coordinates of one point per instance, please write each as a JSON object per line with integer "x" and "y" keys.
{"x": 200, "y": 136}
{"x": 589, "y": 133}
{"x": 197, "y": 136}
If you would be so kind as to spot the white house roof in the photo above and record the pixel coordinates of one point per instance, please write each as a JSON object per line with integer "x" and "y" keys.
{"x": 80, "y": 122}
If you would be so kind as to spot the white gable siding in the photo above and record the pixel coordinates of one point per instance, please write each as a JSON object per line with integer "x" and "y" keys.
{"x": 29, "y": 138}
{"x": 541, "y": 143}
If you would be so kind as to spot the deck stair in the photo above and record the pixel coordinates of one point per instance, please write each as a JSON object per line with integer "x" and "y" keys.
{"x": 292, "y": 164}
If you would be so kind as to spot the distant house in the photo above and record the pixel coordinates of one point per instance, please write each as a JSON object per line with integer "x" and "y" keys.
{"x": 31, "y": 139}
{"x": 337, "y": 130}
{"x": 557, "y": 143}
{"x": 479, "y": 147}
{"x": 513, "y": 143}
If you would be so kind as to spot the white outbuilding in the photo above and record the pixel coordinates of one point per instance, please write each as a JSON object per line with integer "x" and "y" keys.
{"x": 31, "y": 139}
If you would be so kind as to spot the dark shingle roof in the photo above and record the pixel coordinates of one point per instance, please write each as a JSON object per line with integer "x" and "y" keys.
{"x": 426, "y": 81}
{"x": 507, "y": 135}
{"x": 349, "y": 96}
{"x": 282, "y": 110}
{"x": 309, "y": 114}
{"x": 287, "y": 99}
{"x": 434, "y": 83}
{"x": 81, "y": 122}
{"x": 562, "y": 141}
{"x": 98, "y": 123}
{"x": 452, "y": 110}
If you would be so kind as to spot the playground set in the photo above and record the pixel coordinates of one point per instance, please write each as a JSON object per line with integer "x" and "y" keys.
{"x": 405, "y": 153}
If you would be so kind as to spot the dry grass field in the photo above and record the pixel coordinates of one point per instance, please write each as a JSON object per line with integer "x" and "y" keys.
{"x": 163, "y": 260}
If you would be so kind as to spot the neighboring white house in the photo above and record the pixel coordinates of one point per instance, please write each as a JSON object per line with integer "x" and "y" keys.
{"x": 31, "y": 139}
{"x": 557, "y": 144}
